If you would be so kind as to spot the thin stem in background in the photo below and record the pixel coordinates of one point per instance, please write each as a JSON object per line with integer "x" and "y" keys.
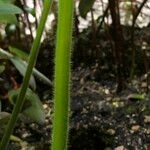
{"x": 35, "y": 7}
{"x": 27, "y": 18}
{"x": 119, "y": 43}
{"x": 103, "y": 19}
{"x": 135, "y": 16}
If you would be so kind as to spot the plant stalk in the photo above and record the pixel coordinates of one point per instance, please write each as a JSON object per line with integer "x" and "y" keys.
{"x": 62, "y": 75}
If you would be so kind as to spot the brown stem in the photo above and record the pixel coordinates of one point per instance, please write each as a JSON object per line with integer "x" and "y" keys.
{"x": 36, "y": 22}
{"x": 119, "y": 43}
{"x": 76, "y": 22}
{"x": 135, "y": 15}
{"x": 27, "y": 18}
{"x": 102, "y": 21}
{"x": 94, "y": 51}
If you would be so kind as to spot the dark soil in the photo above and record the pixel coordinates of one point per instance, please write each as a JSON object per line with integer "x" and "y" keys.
{"x": 99, "y": 118}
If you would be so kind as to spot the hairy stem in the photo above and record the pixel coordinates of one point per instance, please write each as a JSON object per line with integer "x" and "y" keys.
{"x": 62, "y": 75}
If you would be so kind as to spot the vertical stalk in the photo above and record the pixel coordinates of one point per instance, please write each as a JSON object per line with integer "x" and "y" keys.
{"x": 62, "y": 75}
{"x": 119, "y": 43}
{"x": 94, "y": 40}
{"x": 105, "y": 12}
{"x": 32, "y": 60}
{"x": 27, "y": 18}
{"x": 135, "y": 16}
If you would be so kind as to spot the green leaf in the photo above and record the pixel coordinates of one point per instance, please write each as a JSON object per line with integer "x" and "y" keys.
{"x": 42, "y": 77}
{"x": 136, "y": 97}
{"x": 39, "y": 75}
{"x": 7, "y": 1}
{"x": 6, "y": 8}
{"x": 6, "y": 55}
{"x": 18, "y": 52}
{"x": 8, "y": 18}
{"x": 22, "y": 69}
{"x": 32, "y": 108}
{"x": 85, "y": 6}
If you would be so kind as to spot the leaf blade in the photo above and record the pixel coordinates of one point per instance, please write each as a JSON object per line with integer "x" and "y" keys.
{"x": 6, "y": 8}
{"x": 85, "y": 6}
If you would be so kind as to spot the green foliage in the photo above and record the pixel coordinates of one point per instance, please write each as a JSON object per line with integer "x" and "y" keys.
{"x": 85, "y": 6}
{"x": 6, "y": 8}
{"x": 136, "y": 97}
{"x": 32, "y": 106}
{"x": 32, "y": 60}
{"x": 8, "y": 11}
{"x": 22, "y": 69}
{"x": 7, "y": 1}
{"x": 21, "y": 66}
{"x": 24, "y": 99}
{"x": 19, "y": 53}
{"x": 8, "y": 18}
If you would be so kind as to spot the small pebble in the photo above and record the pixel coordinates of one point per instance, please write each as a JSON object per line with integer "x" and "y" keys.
{"x": 135, "y": 128}
{"x": 120, "y": 148}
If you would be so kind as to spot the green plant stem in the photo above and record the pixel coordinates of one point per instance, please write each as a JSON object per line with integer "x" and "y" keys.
{"x": 62, "y": 75}
{"x": 32, "y": 60}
